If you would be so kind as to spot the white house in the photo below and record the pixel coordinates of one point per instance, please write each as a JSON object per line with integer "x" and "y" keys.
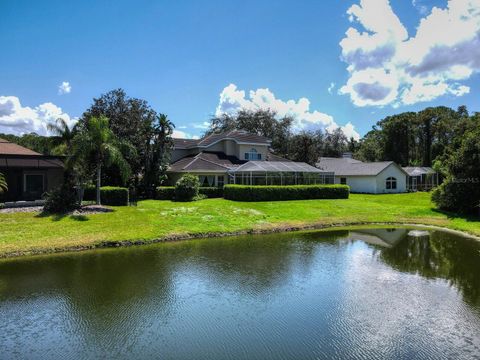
{"x": 366, "y": 177}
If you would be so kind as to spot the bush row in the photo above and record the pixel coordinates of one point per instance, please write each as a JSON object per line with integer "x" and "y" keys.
{"x": 109, "y": 195}
{"x": 168, "y": 192}
{"x": 294, "y": 192}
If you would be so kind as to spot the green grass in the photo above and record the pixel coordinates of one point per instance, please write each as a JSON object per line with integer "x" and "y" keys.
{"x": 22, "y": 233}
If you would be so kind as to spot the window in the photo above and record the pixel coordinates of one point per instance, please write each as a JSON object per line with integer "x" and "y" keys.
{"x": 253, "y": 155}
{"x": 220, "y": 180}
{"x": 343, "y": 181}
{"x": 391, "y": 183}
{"x": 33, "y": 183}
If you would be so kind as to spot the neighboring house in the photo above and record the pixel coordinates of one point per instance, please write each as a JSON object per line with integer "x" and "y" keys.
{"x": 421, "y": 178}
{"x": 366, "y": 177}
{"x": 28, "y": 173}
{"x": 238, "y": 157}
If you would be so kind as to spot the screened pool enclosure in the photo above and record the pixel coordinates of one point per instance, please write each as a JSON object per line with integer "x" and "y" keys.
{"x": 279, "y": 173}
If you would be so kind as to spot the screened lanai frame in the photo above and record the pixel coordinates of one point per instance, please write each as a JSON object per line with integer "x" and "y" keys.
{"x": 279, "y": 173}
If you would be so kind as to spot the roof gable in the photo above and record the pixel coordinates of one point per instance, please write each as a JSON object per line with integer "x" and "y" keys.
{"x": 239, "y": 136}
{"x": 9, "y": 148}
{"x": 351, "y": 167}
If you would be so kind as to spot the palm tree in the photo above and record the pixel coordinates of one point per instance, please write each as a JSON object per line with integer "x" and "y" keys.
{"x": 3, "y": 184}
{"x": 64, "y": 134}
{"x": 97, "y": 141}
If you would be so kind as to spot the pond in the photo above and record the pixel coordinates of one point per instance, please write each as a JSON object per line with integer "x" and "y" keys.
{"x": 357, "y": 293}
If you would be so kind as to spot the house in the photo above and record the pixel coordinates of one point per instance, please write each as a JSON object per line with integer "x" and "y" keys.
{"x": 238, "y": 157}
{"x": 28, "y": 173}
{"x": 366, "y": 177}
{"x": 421, "y": 178}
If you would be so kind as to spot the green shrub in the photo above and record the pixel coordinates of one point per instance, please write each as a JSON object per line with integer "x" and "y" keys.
{"x": 165, "y": 193}
{"x": 60, "y": 200}
{"x": 186, "y": 188}
{"x": 278, "y": 193}
{"x": 211, "y": 192}
{"x": 109, "y": 195}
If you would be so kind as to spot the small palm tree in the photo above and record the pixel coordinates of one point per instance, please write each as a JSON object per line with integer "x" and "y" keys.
{"x": 64, "y": 134}
{"x": 97, "y": 141}
{"x": 3, "y": 184}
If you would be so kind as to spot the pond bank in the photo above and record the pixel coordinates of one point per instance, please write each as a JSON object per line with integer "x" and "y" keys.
{"x": 157, "y": 221}
{"x": 272, "y": 230}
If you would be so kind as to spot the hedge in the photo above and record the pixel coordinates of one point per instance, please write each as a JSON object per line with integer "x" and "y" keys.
{"x": 168, "y": 192}
{"x": 211, "y": 192}
{"x": 109, "y": 195}
{"x": 165, "y": 193}
{"x": 278, "y": 193}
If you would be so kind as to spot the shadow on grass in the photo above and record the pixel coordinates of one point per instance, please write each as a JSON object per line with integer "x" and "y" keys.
{"x": 77, "y": 216}
{"x": 452, "y": 215}
{"x": 58, "y": 217}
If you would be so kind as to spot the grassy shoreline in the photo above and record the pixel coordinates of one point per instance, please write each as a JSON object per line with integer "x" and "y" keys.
{"x": 155, "y": 221}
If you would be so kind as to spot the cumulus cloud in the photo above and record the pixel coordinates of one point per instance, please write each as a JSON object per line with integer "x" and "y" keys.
{"x": 64, "y": 88}
{"x": 179, "y": 134}
{"x": 232, "y": 100}
{"x": 331, "y": 87}
{"x": 202, "y": 126}
{"x": 17, "y": 119}
{"x": 388, "y": 67}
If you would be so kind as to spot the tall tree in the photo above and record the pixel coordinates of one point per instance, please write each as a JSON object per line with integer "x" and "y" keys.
{"x": 306, "y": 147}
{"x": 63, "y": 136}
{"x": 460, "y": 190}
{"x": 371, "y": 147}
{"x": 96, "y": 141}
{"x": 131, "y": 120}
{"x": 335, "y": 143}
{"x": 158, "y": 153}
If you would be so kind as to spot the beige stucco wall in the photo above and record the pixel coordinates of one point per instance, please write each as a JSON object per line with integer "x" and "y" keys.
{"x": 242, "y": 149}
{"x": 228, "y": 147}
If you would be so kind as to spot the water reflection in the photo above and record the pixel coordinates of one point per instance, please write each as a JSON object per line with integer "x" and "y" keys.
{"x": 294, "y": 295}
{"x": 439, "y": 255}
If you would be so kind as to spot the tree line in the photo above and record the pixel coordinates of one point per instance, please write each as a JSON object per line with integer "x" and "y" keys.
{"x": 120, "y": 140}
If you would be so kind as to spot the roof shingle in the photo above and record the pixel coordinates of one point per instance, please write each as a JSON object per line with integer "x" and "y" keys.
{"x": 9, "y": 148}
{"x": 236, "y": 135}
{"x": 351, "y": 167}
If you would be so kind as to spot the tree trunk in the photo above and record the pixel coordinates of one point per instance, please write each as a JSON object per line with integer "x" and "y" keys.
{"x": 99, "y": 176}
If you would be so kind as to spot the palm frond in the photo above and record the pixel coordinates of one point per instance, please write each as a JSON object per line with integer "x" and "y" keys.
{"x": 3, "y": 184}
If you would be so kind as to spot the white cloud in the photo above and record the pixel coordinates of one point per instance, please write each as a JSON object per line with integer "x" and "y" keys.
{"x": 232, "y": 100}
{"x": 64, "y": 88}
{"x": 388, "y": 67}
{"x": 17, "y": 119}
{"x": 202, "y": 126}
{"x": 422, "y": 9}
{"x": 331, "y": 87}
{"x": 178, "y": 134}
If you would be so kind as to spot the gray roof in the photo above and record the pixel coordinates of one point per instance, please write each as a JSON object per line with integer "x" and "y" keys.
{"x": 418, "y": 170}
{"x": 238, "y": 136}
{"x": 205, "y": 161}
{"x": 277, "y": 166}
{"x": 352, "y": 167}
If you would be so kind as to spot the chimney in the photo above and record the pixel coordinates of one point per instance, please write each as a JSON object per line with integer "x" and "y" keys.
{"x": 347, "y": 155}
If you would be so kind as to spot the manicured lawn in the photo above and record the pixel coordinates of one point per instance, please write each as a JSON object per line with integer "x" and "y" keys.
{"x": 151, "y": 219}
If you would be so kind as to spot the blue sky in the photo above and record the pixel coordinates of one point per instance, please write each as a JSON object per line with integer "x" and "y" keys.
{"x": 191, "y": 59}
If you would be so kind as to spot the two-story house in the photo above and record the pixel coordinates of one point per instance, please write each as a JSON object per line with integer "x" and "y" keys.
{"x": 238, "y": 157}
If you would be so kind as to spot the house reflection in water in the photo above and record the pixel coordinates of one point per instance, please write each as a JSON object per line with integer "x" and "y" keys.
{"x": 383, "y": 237}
